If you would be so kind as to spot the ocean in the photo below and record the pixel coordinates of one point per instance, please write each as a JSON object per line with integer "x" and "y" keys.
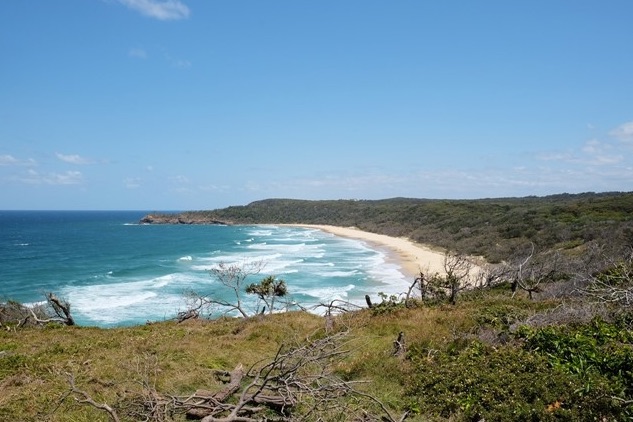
{"x": 116, "y": 272}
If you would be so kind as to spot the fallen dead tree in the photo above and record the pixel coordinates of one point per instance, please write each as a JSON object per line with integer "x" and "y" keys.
{"x": 298, "y": 376}
{"x": 298, "y": 383}
{"x": 54, "y": 310}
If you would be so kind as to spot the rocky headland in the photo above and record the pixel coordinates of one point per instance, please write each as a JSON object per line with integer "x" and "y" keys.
{"x": 181, "y": 218}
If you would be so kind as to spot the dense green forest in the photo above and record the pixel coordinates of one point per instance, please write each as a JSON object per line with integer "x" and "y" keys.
{"x": 492, "y": 228}
{"x": 545, "y": 334}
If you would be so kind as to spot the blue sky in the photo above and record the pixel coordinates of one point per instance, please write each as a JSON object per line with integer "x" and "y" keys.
{"x": 202, "y": 104}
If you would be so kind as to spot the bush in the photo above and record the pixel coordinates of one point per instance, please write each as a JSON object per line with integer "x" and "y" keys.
{"x": 597, "y": 354}
{"x": 473, "y": 381}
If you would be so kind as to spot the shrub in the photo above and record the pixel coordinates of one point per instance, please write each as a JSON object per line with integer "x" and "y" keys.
{"x": 473, "y": 381}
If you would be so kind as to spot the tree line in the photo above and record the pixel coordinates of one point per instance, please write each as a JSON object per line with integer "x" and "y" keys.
{"x": 495, "y": 229}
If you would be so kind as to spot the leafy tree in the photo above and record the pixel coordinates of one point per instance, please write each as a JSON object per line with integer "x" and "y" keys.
{"x": 232, "y": 278}
{"x": 267, "y": 290}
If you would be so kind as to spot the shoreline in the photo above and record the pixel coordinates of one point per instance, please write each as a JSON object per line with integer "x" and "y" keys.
{"x": 412, "y": 257}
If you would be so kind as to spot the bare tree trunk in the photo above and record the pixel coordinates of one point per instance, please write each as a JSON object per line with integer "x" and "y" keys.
{"x": 61, "y": 308}
{"x": 399, "y": 348}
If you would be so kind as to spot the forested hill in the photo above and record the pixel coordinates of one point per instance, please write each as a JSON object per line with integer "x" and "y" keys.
{"x": 492, "y": 228}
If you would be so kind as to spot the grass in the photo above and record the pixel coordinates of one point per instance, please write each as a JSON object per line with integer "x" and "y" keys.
{"x": 179, "y": 358}
{"x": 453, "y": 369}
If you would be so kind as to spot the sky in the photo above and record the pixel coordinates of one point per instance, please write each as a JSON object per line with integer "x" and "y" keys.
{"x": 204, "y": 104}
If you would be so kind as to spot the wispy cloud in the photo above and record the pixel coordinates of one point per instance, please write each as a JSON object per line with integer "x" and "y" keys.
{"x": 181, "y": 64}
{"x": 132, "y": 182}
{"x": 161, "y": 10}
{"x": 600, "y": 153}
{"x": 73, "y": 159}
{"x": 624, "y": 132}
{"x": 180, "y": 179}
{"x": 36, "y": 178}
{"x": 592, "y": 153}
{"x": 177, "y": 63}
{"x": 10, "y": 160}
{"x": 137, "y": 53}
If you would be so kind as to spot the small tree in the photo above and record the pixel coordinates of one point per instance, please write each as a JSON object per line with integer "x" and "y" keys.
{"x": 267, "y": 290}
{"x": 232, "y": 277}
{"x": 457, "y": 269}
{"x": 534, "y": 269}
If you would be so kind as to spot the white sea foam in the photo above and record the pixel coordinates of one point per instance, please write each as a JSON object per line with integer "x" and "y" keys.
{"x": 260, "y": 232}
{"x": 327, "y": 293}
{"x": 127, "y": 300}
{"x": 350, "y": 273}
{"x": 317, "y": 267}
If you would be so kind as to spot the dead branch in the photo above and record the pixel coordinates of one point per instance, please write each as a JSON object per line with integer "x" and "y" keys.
{"x": 338, "y": 306}
{"x": 534, "y": 269}
{"x": 85, "y": 398}
{"x": 188, "y": 314}
{"x": 614, "y": 286}
{"x": 457, "y": 269}
{"x": 61, "y": 309}
{"x": 421, "y": 283}
{"x": 297, "y": 378}
{"x": 231, "y": 278}
{"x": 300, "y": 374}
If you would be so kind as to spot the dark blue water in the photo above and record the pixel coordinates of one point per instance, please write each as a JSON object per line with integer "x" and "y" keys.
{"x": 114, "y": 271}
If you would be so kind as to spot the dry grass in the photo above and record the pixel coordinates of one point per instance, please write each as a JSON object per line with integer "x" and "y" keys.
{"x": 114, "y": 365}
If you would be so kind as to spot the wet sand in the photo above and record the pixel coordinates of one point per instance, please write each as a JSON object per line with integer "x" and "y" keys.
{"x": 412, "y": 256}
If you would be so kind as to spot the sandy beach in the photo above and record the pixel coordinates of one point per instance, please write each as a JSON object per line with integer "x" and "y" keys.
{"x": 412, "y": 256}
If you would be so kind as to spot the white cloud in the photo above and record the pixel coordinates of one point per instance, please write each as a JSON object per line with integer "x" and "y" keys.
{"x": 556, "y": 156}
{"x": 181, "y": 179}
{"x": 600, "y": 153}
{"x": 10, "y": 160}
{"x": 72, "y": 158}
{"x": 177, "y": 63}
{"x": 67, "y": 178}
{"x": 181, "y": 64}
{"x": 132, "y": 182}
{"x": 215, "y": 188}
{"x": 137, "y": 53}
{"x": 624, "y": 132}
{"x": 161, "y": 10}
{"x": 592, "y": 153}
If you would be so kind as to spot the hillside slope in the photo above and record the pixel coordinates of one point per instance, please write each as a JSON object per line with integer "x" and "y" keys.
{"x": 492, "y": 228}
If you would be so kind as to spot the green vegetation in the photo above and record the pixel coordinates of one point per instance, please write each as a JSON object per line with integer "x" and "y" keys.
{"x": 546, "y": 336}
{"x": 492, "y": 228}
{"x": 267, "y": 290}
{"x": 478, "y": 359}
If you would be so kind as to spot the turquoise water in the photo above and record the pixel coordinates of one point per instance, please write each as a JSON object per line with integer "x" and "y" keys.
{"x": 114, "y": 271}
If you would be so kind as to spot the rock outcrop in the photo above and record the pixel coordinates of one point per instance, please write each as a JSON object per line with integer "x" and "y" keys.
{"x": 184, "y": 218}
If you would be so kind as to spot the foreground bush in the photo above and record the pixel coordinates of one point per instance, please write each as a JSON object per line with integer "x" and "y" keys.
{"x": 552, "y": 373}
